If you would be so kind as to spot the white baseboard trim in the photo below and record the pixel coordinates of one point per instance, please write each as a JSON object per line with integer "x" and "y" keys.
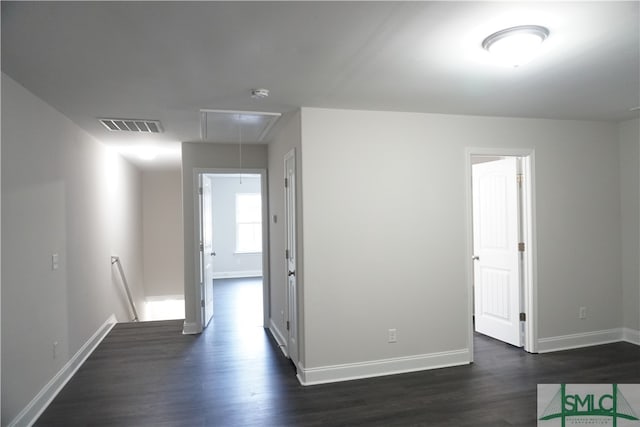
{"x": 586, "y": 339}
{"x": 279, "y": 337}
{"x": 41, "y": 401}
{"x": 631, "y": 336}
{"x": 190, "y": 328}
{"x": 236, "y": 274}
{"x": 378, "y": 368}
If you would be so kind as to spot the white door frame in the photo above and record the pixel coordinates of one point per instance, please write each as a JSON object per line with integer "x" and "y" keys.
{"x": 530, "y": 256}
{"x": 265, "y": 238}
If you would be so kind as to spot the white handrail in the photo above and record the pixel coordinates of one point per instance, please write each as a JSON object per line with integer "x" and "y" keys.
{"x": 116, "y": 260}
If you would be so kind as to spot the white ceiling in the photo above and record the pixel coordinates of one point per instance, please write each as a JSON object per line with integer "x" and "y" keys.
{"x": 167, "y": 60}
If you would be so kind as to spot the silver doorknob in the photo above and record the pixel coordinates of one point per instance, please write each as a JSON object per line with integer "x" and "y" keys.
{"x": 213, "y": 254}
{"x": 291, "y": 273}
{"x": 475, "y": 258}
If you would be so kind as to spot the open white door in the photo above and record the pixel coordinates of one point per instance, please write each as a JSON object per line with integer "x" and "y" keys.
{"x": 495, "y": 242}
{"x": 206, "y": 247}
{"x": 290, "y": 240}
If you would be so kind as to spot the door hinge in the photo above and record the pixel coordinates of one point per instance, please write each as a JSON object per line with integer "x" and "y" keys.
{"x": 519, "y": 178}
{"x": 202, "y": 303}
{"x": 201, "y": 247}
{"x": 286, "y": 254}
{"x": 521, "y": 247}
{"x": 523, "y": 317}
{"x": 200, "y": 191}
{"x": 286, "y": 182}
{"x": 287, "y": 325}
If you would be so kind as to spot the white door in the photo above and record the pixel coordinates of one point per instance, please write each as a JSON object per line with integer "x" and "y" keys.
{"x": 290, "y": 240}
{"x": 206, "y": 248}
{"x": 495, "y": 243}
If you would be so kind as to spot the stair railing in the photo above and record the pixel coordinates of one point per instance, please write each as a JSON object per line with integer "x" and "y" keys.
{"x": 116, "y": 260}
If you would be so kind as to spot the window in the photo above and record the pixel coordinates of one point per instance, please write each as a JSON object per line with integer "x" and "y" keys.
{"x": 248, "y": 222}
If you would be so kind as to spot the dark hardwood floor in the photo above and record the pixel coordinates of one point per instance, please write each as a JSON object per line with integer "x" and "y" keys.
{"x": 148, "y": 374}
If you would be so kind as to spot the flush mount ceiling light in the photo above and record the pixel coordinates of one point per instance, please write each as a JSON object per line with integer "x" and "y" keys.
{"x": 516, "y": 46}
{"x": 146, "y": 152}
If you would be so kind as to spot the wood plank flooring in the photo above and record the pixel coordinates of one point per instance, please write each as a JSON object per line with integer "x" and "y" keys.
{"x": 148, "y": 374}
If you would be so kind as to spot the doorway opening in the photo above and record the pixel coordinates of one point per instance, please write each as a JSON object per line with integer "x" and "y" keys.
{"x": 501, "y": 244}
{"x": 232, "y": 240}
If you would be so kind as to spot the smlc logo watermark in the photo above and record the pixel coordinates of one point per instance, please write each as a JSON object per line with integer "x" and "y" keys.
{"x": 563, "y": 405}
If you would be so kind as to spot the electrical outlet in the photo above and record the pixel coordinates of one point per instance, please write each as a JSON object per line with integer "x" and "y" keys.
{"x": 393, "y": 335}
{"x": 582, "y": 314}
{"x": 55, "y": 350}
{"x": 55, "y": 263}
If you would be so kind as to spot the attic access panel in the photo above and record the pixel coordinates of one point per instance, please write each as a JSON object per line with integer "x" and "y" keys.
{"x": 235, "y": 126}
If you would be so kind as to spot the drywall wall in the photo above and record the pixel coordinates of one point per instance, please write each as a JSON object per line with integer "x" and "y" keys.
{"x": 385, "y": 230}
{"x": 0, "y": 267}
{"x": 162, "y": 233}
{"x": 63, "y": 193}
{"x": 286, "y": 138}
{"x": 228, "y": 262}
{"x": 196, "y": 155}
{"x": 629, "y": 133}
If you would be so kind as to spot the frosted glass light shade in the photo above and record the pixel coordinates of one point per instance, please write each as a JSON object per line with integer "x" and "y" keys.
{"x": 516, "y": 46}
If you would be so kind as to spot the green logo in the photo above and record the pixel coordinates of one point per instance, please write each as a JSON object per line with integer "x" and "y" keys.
{"x": 586, "y": 405}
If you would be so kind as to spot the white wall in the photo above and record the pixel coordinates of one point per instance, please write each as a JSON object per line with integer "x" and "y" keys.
{"x": 228, "y": 263}
{"x": 201, "y": 155}
{"x": 62, "y": 192}
{"x": 163, "y": 234}
{"x": 0, "y": 273}
{"x": 385, "y": 229}
{"x": 630, "y": 205}
{"x": 286, "y": 138}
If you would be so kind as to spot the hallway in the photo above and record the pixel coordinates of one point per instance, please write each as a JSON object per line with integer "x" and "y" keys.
{"x": 148, "y": 374}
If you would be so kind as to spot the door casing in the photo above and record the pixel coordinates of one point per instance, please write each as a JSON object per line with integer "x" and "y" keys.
{"x": 529, "y": 273}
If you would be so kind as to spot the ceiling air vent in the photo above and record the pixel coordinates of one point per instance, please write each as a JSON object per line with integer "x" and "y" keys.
{"x": 132, "y": 125}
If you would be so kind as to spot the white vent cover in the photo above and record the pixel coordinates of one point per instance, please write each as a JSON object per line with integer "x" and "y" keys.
{"x": 132, "y": 125}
